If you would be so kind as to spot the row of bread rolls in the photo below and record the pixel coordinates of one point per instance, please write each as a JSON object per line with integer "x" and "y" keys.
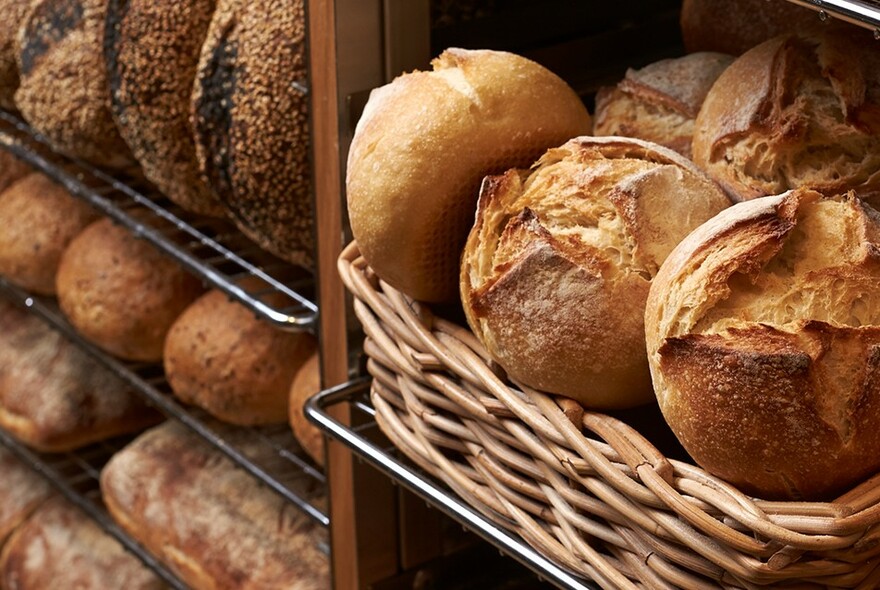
{"x": 562, "y": 257}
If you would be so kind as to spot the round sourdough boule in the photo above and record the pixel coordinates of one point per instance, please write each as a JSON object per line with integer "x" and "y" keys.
{"x": 306, "y": 384}
{"x": 795, "y": 111}
{"x": 13, "y": 12}
{"x": 63, "y": 92}
{"x": 220, "y": 357}
{"x": 556, "y": 270}
{"x": 424, "y": 143}
{"x": 40, "y": 218}
{"x": 12, "y": 168}
{"x": 659, "y": 102}
{"x": 763, "y": 332}
{"x": 120, "y": 292}
{"x": 152, "y": 49}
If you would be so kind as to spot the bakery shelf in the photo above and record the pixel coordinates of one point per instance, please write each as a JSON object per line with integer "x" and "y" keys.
{"x": 76, "y": 476}
{"x": 212, "y": 249}
{"x": 362, "y": 439}
{"x": 289, "y": 475}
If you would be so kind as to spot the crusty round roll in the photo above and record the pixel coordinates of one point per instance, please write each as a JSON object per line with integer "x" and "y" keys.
{"x": 152, "y": 49}
{"x": 794, "y": 111}
{"x": 306, "y": 384}
{"x": 763, "y": 328}
{"x": 13, "y": 12}
{"x": 12, "y": 169}
{"x": 424, "y": 143}
{"x": 40, "y": 218}
{"x": 221, "y": 357}
{"x": 556, "y": 270}
{"x": 63, "y": 92}
{"x": 120, "y": 292}
{"x": 660, "y": 101}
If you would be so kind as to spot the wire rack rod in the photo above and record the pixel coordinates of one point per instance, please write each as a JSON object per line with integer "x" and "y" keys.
{"x": 865, "y": 13}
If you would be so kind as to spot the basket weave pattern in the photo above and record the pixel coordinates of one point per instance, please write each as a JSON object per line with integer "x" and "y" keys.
{"x": 585, "y": 489}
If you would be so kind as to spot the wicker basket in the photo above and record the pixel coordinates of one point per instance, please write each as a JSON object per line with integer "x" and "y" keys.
{"x": 585, "y": 489}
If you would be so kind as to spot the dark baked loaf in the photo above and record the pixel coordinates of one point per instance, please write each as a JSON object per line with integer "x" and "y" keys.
{"x": 152, "y": 49}
{"x": 63, "y": 92}
{"x": 13, "y": 12}
{"x": 12, "y": 168}
{"x": 251, "y": 122}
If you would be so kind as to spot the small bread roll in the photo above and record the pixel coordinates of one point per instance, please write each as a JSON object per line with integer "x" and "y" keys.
{"x": 763, "y": 328}
{"x": 424, "y": 143}
{"x": 120, "y": 292}
{"x": 795, "y": 111}
{"x": 221, "y": 357}
{"x": 660, "y": 102}
{"x": 22, "y": 490}
{"x": 306, "y": 384}
{"x": 12, "y": 169}
{"x": 40, "y": 218}
{"x": 556, "y": 270}
{"x": 13, "y": 12}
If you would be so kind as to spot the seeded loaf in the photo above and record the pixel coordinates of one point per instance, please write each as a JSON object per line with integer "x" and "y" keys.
{"x": 13, "y": 12}
{"x": 12, "y": 168}
{"x": 22, "y": 490}
{"x": 306, "y": 384}
{"x": 152, "y": 49}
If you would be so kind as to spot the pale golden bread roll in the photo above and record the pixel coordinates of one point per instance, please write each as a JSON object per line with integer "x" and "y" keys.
{"x": 424, "y": 143}
{"x": 22, "y": 490}
{"x": 306, "y": 384}
{"x": 12, "y": 169}
{"x": 795, "y": 111}
{"x": 60, "y": 547}
{"x": 120, "y": 292}
{"x": 40, "y": 218}
{"x": 13, "y": 12}
{"x": 660, "y": 101}
{"x": 221, "y": 357}
{"x": 215, "y": 525}
{"x": 763, "y": 332}
{"x": 556, "y": 270}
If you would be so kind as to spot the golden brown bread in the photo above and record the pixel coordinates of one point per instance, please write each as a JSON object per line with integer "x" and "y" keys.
{"x": 13, "y": 12}
{"x": 659, "y": 102}
{"x": 12, "y": 169}
{"x": 424, "y": 143}
{"x": 120, "y": 292}
{"x": 60, "y": 547}
{"x": 221, "y": 357}
{"x": 212, "y": 523}
{"x": 21, "y": 491}
{"x": 556, "y": 270}
{"x": 763, "y": 332}
{"x": 795, "y": 111}
{"x": 52, "y": 396}
{"x": 306, "y": 384}
{"x": 39, "y": 219}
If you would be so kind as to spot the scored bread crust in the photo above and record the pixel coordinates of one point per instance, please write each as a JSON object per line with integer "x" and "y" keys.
{"x": 763, "y": 334}
{"x": 556, "y": 270}
{"x": 13, "y": 12}
{"x": 424, "y": 143}
{"x": 794, "y": 111}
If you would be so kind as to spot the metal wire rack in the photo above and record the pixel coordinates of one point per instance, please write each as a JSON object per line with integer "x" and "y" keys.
{"x": 212, "y": 249}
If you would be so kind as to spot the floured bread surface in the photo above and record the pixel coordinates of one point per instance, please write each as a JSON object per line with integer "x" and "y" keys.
{"x": 796, "y": 111}
{"x": 763, "y": 331}
{"x": 22, "y": 490}
{"x": 556, "y": 270}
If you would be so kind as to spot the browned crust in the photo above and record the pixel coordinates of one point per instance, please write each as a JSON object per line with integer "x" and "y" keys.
{"x": 13, "y": 12}
{"x": 22, "y": 490}
{"x": 306, "y": 384}
{"x": 12, "y": 169}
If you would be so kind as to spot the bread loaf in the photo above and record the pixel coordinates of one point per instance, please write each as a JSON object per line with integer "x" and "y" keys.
{"x": 250, "y": 109}
{"x": 221, "y": 357}
{"x": 39, "y": 219}
{"x": 212, "y": 523}
{"x": 556, "y": 270}
{"x": 152, "y": 49}
{"x": 60, "y": 547}
{"x": 424, "y": 143}
{"x": 13, "y": 12}
{"x": 795, "y": 111}
{"x": 21, "y": 491}
{"x": 63, "y": 92}
{"x": 306, "y": 384}
{"x": 763, "y": 328}
{"x": 659, "y": 102}
{"x": 120, "y": 292}
{"x": 11, "y": 169}
{"x": 52, "y": 396}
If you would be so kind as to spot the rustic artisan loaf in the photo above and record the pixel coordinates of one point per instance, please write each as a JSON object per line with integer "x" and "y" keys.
{"x": 306, "y": 384}
{"x": 120, "y": 292}
{"x": 63, "y": 92}
{"x": 13, "y": 12}
{"x": 152, "y": 49}
{"x": 60, "y": 547}
{"x": 12, "y": 169}
{"x": 211, "y": 522}
{"x": 424, "y": 143}
{"x": 659, "y": 102}
{"x": 795, "y": 111}
{"x": 55, "y": 398}
{"x": 22, "y": 490}
{"x": 556, "y": 270}
{"x": 763, "y": 328}
{"x": 221, "y": 357}
{"x": 39, "y": 219}
{"x": 250, "y": 109}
